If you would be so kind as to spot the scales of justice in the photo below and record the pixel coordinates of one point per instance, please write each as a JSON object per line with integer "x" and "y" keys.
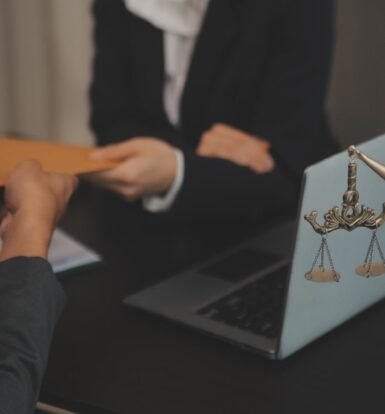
{"x": 352, "y": 216}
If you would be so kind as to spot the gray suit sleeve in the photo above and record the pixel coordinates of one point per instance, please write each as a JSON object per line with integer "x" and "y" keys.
{"x": 31, "y": 300}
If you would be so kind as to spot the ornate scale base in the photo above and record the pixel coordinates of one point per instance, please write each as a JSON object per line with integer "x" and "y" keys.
{"x": 322, "y": 275}
{"x": 367, "y": 270}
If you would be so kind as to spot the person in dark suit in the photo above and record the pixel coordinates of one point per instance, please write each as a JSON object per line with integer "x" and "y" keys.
{"x": 213, "y": 108}
{"x": 31, "y": 298}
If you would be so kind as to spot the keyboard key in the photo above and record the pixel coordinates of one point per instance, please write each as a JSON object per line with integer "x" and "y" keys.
{"x": 256, "y": 307}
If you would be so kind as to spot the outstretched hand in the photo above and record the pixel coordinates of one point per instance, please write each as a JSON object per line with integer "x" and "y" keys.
{"x": 148, "y": 166}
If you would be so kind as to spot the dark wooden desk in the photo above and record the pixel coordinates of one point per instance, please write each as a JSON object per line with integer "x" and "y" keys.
{"x": 113, "y": 357}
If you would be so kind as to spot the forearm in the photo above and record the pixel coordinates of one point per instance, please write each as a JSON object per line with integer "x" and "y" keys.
{"x": 214, "y": 188}
{"x": 26, "y": 235}
{"x": 31, "y": 302}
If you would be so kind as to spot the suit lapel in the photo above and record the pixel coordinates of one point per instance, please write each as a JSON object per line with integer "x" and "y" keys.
{"x": 148, "y": 62}
{"x": 212, "y": 47}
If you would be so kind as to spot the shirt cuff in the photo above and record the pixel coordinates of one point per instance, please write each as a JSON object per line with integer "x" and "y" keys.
{"x": 159, "y": 204}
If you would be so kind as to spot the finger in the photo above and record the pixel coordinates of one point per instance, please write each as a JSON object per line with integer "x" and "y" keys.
{"x": 238, "y": 135}
{"x": 209, "y": 144}
{"x": 126, "y": 173}
{"x": 254, "y": 157}
{"x": 248, "y": 152}
{"x": 262, "y": 164}
{"x": 243, "y": 154}
{"x": 217, "y": 143}
{"x": 218, "y": 150}
{"x": 26, "y": 168}
{"x": 204, "y": 149}
{"x": 118, "y": 151}
{"x": 217, "y": 146}
{"x": 31, "y": 165}
{"x": 63, "y": 185}
{"x": 127, "y": 192}
{"x": 113, "y": 176}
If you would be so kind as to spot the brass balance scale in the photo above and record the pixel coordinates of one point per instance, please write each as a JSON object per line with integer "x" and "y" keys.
{"x": 351, "y": 217}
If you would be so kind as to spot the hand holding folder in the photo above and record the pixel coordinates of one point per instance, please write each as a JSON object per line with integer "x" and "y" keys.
{"x": 54, "y": 157}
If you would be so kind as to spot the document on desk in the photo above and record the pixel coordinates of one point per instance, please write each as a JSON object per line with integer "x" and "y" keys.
{"x": 66, "y": 253}
{"x": 53, "y": 156}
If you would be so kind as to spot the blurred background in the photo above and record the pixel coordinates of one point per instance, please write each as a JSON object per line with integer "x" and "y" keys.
{"x": 46, "y": 54}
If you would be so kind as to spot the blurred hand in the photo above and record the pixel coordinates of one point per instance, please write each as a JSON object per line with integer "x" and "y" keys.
{"x": 34, "y": 203}
{"x": 223, "y": 141}
{"x": 148, "y": 167}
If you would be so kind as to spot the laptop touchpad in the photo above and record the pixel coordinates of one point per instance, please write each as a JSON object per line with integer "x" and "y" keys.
{"x": 240, "y": 264}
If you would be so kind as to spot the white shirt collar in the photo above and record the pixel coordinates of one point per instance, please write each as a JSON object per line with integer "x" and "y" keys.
{"x": 178, "y": 17}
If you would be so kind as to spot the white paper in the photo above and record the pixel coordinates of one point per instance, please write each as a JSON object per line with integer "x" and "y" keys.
{"x": 66, "y": 253}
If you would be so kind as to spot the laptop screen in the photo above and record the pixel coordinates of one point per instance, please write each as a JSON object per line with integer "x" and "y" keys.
{"x": 313, "y": 308}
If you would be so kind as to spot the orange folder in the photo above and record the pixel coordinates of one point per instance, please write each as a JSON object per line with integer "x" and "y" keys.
{"x": 53, "y": 156}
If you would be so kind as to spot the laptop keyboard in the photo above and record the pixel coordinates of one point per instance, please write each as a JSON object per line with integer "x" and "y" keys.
{"x": 256, "y": 307}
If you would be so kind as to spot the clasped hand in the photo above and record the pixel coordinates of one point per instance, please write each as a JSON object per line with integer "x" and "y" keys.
{"x": 34, "y": 201}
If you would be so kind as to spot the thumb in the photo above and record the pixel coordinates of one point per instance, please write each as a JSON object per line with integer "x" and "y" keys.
{"x": 264, "y": 145}
{"x": 118, "y": 151}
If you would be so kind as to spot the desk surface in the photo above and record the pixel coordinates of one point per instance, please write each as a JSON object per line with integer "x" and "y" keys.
{"x": 115, "y": 358}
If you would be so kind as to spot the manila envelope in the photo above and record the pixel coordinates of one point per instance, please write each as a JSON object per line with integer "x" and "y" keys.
{"x": 53, "y": 156}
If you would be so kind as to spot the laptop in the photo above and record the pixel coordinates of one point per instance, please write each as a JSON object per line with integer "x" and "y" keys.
{"x": 258, "y": 295}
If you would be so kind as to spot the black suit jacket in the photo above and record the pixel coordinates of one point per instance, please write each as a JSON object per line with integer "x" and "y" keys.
{"x": 259, "y": 65}
{"x": 31, "y": 300}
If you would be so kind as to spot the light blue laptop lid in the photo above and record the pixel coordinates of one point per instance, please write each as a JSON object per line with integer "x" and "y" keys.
{"x": 312, "y": 308}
